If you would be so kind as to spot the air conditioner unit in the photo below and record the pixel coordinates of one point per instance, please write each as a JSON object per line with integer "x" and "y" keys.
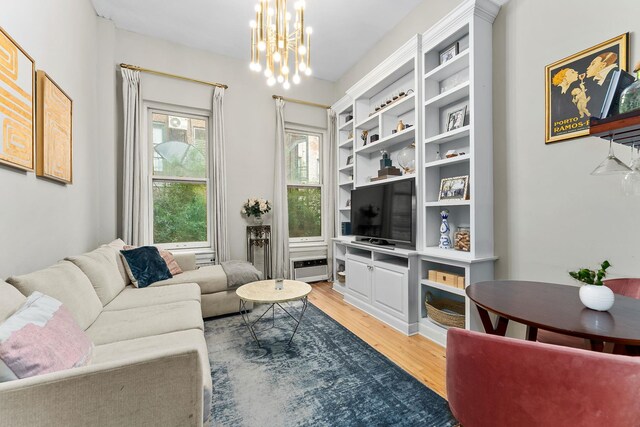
{"x": 204, "y": 258}
{"x": 178, "y": 123}
{"x": 310, "y": 270}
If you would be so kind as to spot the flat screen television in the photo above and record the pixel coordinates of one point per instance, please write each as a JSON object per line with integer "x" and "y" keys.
{"x": 384, "y": 213}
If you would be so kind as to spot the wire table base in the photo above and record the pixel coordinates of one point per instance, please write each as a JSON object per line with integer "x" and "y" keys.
{"x": 244, "y": 312}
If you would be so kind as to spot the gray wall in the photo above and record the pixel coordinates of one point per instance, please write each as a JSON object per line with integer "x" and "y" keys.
{"x": 550, "y": 214}
{"x": 41, "y": 221}
{"x": 249, "y": 115}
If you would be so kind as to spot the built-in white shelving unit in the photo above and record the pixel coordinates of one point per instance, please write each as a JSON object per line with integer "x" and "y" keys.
{"x": 431, "y": 89}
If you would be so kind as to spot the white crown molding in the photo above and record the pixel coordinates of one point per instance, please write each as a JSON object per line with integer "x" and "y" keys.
{"x": 405, "y": 53}
{"x": 483, "y": 9}
{"x": 342, "y": 104}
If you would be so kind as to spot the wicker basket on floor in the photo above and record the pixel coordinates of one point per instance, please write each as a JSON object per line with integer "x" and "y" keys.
{"x": 445, "y": 311}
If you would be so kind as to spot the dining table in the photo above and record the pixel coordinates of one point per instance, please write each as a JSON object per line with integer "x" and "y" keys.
{"x": 557, "y": 308}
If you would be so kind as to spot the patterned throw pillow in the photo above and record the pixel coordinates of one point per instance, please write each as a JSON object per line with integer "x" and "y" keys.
{"x": 41, "y": 337}
{"x": 145, "y": 266}
{"x": 168, "y": 258}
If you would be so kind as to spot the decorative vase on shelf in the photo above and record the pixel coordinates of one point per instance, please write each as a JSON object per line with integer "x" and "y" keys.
{"x": 596, "y": 297}
{"x": 630, "y": 97}
{"x": 256, "y": 220}
{"x": 407, "y": 158}
{"x": 445, "y": 239}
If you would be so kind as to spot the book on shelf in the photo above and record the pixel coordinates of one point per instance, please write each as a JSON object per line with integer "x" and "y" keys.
{"x": 619, "y": 81}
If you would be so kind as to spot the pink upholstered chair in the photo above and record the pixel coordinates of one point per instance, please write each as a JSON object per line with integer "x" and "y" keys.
{"x": 627, "y": 287}
{"x": 495, "y": 381}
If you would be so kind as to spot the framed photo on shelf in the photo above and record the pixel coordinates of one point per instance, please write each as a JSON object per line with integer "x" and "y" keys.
{"x": 575, "y": 87}
{"x": 17, "y": 105}
{"x": 455, "y": 188}
{"x": 455, "y": 119}
{"x": 349, "y": 159}
{"x": 449, "y": 53}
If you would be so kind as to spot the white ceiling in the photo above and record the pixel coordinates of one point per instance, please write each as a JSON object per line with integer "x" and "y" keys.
{"x": 343, "y": 30}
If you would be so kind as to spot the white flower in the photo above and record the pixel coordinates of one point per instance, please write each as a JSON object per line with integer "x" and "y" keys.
{"x": 263, "y": 206}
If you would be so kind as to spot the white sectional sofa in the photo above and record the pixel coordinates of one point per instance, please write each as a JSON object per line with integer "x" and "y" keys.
{"x": 150, "y": 362}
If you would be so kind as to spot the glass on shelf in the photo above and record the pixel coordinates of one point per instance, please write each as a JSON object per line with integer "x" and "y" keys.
{"x": 611, "y": 165}
{"x": 631, "y": 180}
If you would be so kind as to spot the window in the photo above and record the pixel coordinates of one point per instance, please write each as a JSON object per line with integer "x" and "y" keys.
{"x": 179, "y": 181}
{"x": 303, "y": 161}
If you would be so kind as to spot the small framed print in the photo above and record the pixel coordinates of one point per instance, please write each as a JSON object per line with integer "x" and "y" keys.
{"x": 455, "y": 119}
{"x": 449, "y": 53}
{"x": 350, "y": 159}
{"x": 455, "y": 188}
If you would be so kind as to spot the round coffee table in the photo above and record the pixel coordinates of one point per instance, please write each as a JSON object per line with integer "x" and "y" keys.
{"x": 265, "y": 292}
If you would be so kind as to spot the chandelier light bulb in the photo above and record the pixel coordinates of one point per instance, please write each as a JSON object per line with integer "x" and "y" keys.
{"x": 309, "y": 30}
{"x": 262, "y": 46}
{"x": 270, "y": 11}
{"x": 297, "y": 5}
{"x": 288, "y": 16}
{"x": 271, "y": 81}
{"x": 302, "y": 66}
{"x": 258, "y": 8}
{"x": 296, "y": 79}
{"x": 302, "y": 49}
{"x": 286, "y": 85}
{"x": 257, "y": 67}
{"x": 280, "y": 78}
{"x": 252, "y": 66}
{"x": 252, "y": 24}
{"x": 276, "y": 56}
{"x": 307, "y": 71}
{"x": 267, "y": 72}
{"x": 285, "y": 69}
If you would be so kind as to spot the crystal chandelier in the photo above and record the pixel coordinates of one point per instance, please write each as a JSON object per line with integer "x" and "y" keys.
{"x": 275, "y": 43}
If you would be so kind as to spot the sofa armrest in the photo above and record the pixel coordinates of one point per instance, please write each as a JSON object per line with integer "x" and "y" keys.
{"x": 186, "y": 260}
{"x": 162, "y": 389}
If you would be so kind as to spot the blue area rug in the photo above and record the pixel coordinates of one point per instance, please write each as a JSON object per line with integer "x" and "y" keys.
{"x": 327, "y": 377}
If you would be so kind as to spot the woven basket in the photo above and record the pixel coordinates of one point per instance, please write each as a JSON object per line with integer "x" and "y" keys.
{"x": 445, "y": 311}
{"x": 342, "y": 277}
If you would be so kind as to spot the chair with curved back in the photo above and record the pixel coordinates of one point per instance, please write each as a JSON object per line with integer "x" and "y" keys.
{"x": 628, "y": 287}
{"x": 495, "y": 381}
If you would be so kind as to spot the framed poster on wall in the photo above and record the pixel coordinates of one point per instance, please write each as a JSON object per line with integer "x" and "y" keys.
{"x": 17, "y": 104}
{"x": 575, "y": 87}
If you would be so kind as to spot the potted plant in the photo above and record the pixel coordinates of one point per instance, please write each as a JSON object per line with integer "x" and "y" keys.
{"x": 593, "y": 293}
{"x": 255, "y": 207}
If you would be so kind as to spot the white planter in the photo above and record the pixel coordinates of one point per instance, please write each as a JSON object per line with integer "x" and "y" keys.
{"x": 595, "y": 297}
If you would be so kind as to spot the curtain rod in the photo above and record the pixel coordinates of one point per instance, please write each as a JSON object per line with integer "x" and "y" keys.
{"x": 175, "y": 76}
{"x": 299, "y": 101}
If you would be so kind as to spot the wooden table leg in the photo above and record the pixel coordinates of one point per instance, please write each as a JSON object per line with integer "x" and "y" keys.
{"x": 499, "y": 329}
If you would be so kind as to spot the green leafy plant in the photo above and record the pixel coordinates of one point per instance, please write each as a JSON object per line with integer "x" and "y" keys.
{"x": 591, "y": 277}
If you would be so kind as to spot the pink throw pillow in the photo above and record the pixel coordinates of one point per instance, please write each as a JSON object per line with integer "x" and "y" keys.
{"x": 168, "y": 258}
{"x": 41, "y": 337}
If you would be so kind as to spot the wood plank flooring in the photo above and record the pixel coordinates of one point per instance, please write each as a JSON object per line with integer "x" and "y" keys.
{"x": 420, "y": 357}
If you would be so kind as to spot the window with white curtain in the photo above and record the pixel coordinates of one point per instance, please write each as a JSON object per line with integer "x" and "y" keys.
{"x": 180, "y": 202}
{"x": 303, "y": 163}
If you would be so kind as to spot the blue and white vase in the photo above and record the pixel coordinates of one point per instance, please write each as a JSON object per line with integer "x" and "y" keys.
{"x": 445, "y": 240}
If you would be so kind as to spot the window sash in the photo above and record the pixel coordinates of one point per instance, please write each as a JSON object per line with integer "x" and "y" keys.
{"x": 169, "y": 179}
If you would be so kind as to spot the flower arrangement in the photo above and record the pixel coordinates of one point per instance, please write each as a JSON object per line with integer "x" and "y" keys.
{"x": 591, "y": 277}
{"x": 255, "y": 207}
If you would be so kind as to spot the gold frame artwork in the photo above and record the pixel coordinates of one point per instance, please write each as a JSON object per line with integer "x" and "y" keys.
{"x": 575, "y": 87}
{"x": 54, "y": 146}
{"x": 17, "y": 105}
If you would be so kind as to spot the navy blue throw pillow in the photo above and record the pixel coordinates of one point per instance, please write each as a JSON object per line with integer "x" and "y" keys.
{"x": 146, "y": 266}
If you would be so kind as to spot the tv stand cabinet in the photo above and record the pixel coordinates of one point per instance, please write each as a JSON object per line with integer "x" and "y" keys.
{"x": 382, "y": 282}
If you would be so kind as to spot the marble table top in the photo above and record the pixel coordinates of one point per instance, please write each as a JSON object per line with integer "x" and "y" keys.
{"x": 265, "y": 291}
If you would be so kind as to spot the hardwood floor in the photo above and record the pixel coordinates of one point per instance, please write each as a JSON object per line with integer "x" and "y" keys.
{"x": 420, "y": 357}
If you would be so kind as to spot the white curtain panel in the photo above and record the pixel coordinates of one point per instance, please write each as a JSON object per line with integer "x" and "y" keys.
{"x": 135, "y": 215}
{"x": 331, "y": 184}
{"x": 280, "y": 232}
{"x": 218, "y": 174}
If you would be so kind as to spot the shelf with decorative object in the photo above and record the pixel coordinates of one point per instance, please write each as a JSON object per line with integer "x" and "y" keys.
{"x": 449, "y": 68}
{"x": 346, "y": 168}
{"x": 622, "y": 129}
{"x": 452, "y": 95}
{"x": 448, "y": 161}
{"x": 393, "y": 179}
{"x": 446, "y": 203}
{"x": 347, "y": 125}
{"x": 442, "y": 287}
{"x": 452, "y": 135}
{"x": 347, "y": 144}
{"x": 389, "y": 141}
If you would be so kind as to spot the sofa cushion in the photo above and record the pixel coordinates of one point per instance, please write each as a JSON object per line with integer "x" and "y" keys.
{"x": 148, "y": 346}
{"x": 132, "y": 297}
{"x": 39, "y": 338}
{"x": 169, "y": 259}
{"x": 66, "y": 283}
{"x": 119, "y": 245}
{"x": 101, "y": 267}
{"x": 11, "y": 300}
{"x": 210, "y": 279}
{"x": 145, "y": 266}
{"x": 120, "y": 325}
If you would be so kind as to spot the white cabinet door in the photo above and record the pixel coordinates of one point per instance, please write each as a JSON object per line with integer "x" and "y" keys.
{"x": 390, "y": 289}
{"x": 359, "y": 278}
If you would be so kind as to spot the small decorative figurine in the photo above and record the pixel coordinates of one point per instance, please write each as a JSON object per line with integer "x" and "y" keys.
{"x": 445, "y": 239}
{"x": 400, "y": 126}
{"x": 364, "y": 135}
{"x": 385, "y": 161}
